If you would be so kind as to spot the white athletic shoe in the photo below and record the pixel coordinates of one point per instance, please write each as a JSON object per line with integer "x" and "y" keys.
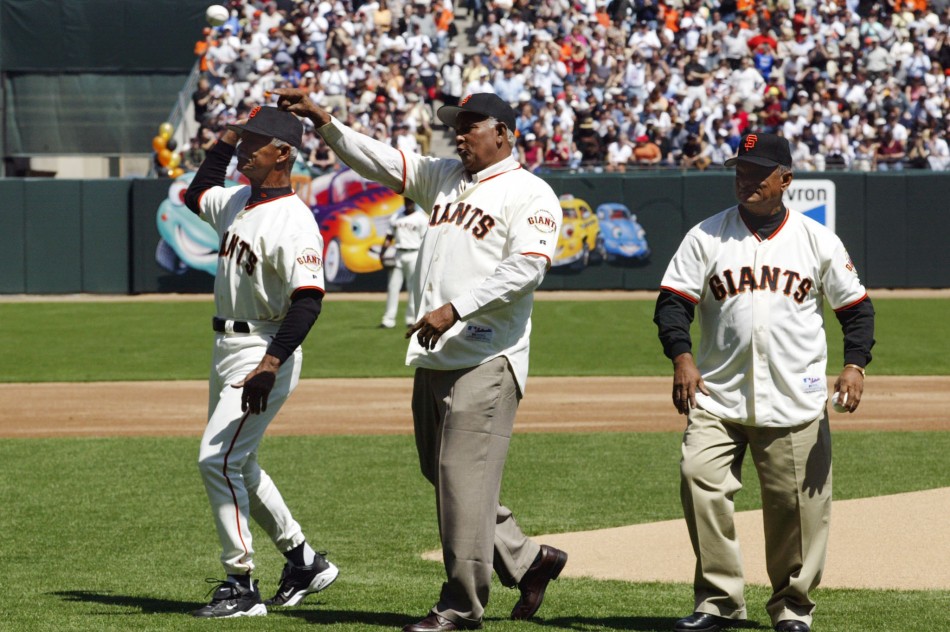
{"x": 233, "y": 600}
{"x": 296, "y": 582}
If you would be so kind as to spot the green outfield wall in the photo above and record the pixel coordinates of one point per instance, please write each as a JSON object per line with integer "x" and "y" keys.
{"x": 102, "y": 236}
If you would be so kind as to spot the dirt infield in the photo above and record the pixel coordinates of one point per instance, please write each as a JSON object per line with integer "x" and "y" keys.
{"x": 575, "y": 404}
{"x": 875, "y": 543}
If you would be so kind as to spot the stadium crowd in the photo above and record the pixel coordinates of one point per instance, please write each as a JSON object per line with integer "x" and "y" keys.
{"x": 603, "y": 85}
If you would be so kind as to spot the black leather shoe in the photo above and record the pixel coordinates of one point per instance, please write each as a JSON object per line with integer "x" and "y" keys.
{"x": 536, "y": 581}
{"x": 701, "y": 622}
{"x": 437, "y": 623}
{"x": 792, "y": 625}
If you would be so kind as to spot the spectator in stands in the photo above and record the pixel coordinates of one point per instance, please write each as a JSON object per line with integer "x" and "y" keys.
{"x": 837, "y": 147}
{"x": 450, "y": 75}
{"x": 889, "y": 154}
{"x": 619, "y": 152}
{"x": 696, "y": 153}
{"x": 480, "y": 84}
{"x": 201, "y": 100}
{"x": 646, "y": 153}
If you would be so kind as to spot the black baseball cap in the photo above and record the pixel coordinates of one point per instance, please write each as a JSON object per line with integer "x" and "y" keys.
{"x": 763, "y": 149}
{"x": 269, "y": 121}
{"x": 485, "y": 103}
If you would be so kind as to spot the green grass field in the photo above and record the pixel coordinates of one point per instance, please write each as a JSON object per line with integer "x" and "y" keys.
{"x": 53, "y": 342}
{"x": 116, "y": 534}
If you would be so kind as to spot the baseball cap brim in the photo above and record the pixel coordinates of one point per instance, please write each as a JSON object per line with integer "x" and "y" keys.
{"x": 449, "y": 114}
{"x": 756, "y": 160}
{"x": 271, "y": 123}
{"x": 240, "y": 129}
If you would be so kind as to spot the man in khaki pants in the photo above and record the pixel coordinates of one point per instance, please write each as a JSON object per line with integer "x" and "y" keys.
{"x": 759, "y": 274}
{"x": 492, "y": 232}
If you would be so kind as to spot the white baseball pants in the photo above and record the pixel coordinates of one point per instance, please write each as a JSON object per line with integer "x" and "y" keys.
{"x": 237, "y": 486}
{"x": 403, "y": 270}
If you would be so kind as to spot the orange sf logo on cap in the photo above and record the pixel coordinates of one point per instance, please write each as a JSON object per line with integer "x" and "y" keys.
{"x": 750, "y": 141}
{"x": 254, "y": 112}
{"x": 465, "y": 100}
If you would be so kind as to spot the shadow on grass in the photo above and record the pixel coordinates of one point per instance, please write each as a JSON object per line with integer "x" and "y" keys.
{"x": 642, "y": 624}
{"x": 147, "y": 605}
{"x": 167, "y": 606}
{"x": 327, "y": 617}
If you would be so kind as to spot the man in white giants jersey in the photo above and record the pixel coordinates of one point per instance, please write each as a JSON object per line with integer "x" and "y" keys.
{"x": 407, "y": 228}
{"x": 493, "y": 227}
{"x": 268, "y": 292}
{"x": 759, "y": 275}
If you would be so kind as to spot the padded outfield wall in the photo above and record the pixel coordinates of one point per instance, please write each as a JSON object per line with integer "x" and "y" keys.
{"x": 104, "y": 236}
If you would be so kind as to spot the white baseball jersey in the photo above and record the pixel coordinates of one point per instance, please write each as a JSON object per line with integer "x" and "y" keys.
{"x": 267, "y": 252}
{"x": 762, "y": 352}
{"x": 475, "y": 224}
{"x": 408, "y": 230}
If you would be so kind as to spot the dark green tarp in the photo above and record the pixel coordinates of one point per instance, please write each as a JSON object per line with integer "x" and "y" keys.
{"x": 87, "y": 113}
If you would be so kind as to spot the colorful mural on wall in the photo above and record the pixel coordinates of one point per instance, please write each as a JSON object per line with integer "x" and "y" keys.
{"x": 610, "y": 234}
{"x": 353, "y": 214}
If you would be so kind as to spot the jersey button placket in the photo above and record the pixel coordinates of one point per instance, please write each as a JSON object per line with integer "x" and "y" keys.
{"x": 762, "y": 379}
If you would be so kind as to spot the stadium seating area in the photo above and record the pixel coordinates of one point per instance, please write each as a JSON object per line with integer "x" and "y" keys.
{"x": 598, "y": 85}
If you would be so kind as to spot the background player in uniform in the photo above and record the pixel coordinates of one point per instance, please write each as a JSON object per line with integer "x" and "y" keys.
{"x": 759, "y": 274}
{"x": 493, "y": 228}
{"x": 408, "y": 227}
{"x": 268, "y": 293}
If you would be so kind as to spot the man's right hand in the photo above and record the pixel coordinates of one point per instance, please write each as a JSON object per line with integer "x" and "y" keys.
{"x": 297, "y": 101}
{"x": 230, "y": 137}
{"x": 686, "y": 381}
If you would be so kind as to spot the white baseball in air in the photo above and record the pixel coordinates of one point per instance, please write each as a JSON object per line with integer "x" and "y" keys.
{"x": 839, "y": 406}
{"x": 216, "y": 15}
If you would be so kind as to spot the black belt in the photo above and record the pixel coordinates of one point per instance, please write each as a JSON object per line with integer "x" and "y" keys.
{"x": 240, "y": 327}
{"x": 407, "y": 249}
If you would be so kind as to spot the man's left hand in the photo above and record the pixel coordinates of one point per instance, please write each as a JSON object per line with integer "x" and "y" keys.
{"x": 431, "y": 326}
{"x": 258, "y": 384}
{"x": 851, "y": 383}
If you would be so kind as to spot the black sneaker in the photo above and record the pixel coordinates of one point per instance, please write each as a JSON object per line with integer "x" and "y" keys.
{"x": 296, "y": 582}
{"x": 233, "y": 600}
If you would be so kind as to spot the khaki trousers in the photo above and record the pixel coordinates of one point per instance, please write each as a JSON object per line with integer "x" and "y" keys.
{"x": 463, "y": 422}
{"x": 794, "y": 468}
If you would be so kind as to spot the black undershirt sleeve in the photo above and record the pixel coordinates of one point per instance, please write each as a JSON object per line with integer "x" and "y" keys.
{"x": 305, "y": 306}
{"x": 857, "y": 324}
{"x": 673, "y": 316}
{"x": 211, "y": 173}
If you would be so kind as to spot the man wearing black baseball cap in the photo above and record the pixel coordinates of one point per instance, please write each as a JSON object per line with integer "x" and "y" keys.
{"x": 486, "y": 104}
{"x": 271, "y": 122}
{"x": 760, "y": 275}
{"x": 491, "y": 234}
{"x": 766, "y": 150}
{"x": 268, "y": 293}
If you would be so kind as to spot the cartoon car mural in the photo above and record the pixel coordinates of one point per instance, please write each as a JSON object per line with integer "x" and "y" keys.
{"x": 579, "y": 242}
{"x": 353, "y": 215}
{"x": 187, "y": 241}
{"x": 623, "y": 237}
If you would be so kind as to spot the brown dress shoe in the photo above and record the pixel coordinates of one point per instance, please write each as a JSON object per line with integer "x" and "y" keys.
{"x": 436, "y": 623}
{"x": 536, "y": 580}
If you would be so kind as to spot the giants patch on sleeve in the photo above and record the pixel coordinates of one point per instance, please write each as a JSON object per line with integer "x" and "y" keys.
{"x": 848, "y": 264}
{"x": 310, "y": 259}
{"x": 543, "y": 222}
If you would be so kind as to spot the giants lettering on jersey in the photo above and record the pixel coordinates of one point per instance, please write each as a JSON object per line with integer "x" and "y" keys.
{"x": 772, "y": 278}
{"x": 474, "y": 219}
{"x": 233, "y": 245}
